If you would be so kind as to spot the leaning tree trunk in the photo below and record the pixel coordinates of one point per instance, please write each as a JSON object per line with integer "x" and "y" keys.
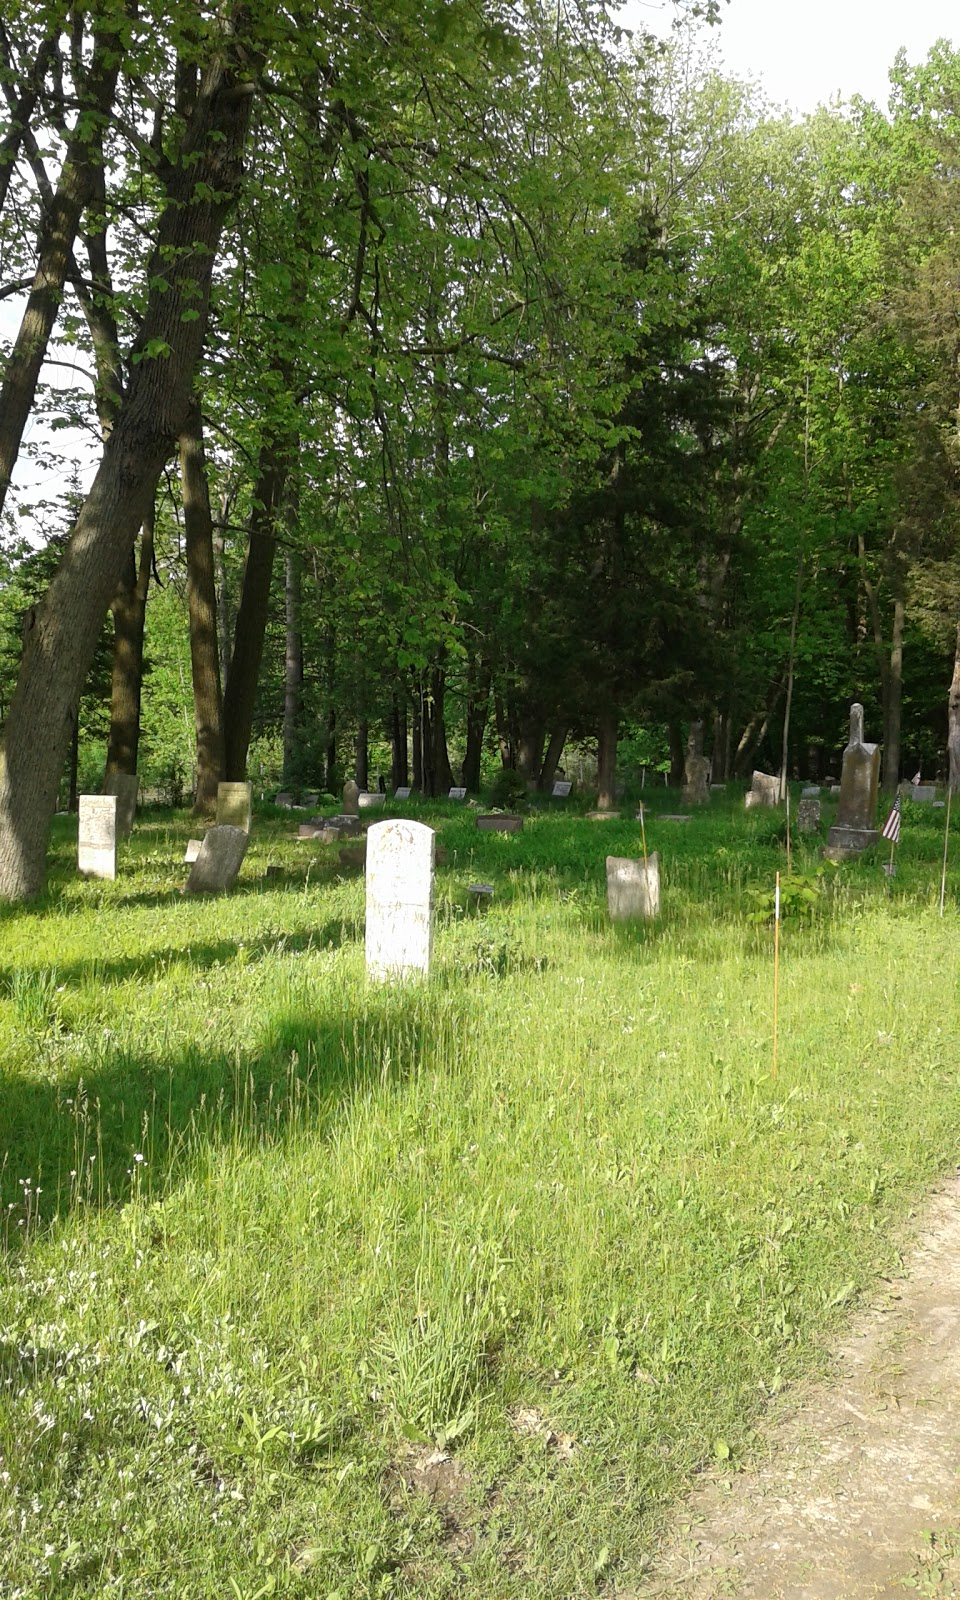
{"x": 129, "y": 619}
{"x": 607, "y": 761}
{"x": 953, "y": 718}
{"x": 202, "y": 610}
{"x": 551, "y": 761}
{"x": 61, "y": 633}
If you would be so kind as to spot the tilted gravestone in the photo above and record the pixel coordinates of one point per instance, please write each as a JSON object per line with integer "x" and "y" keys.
{"x": 855, "y": 830}
{"x": 561, "y": 790}
{"x": 633, "y": 887}
{"x": 808, "y": 815}
{"x": 399, "y": 922}
{"x": 764, "y": 791}
{"x": 403, "y": 793}
{"x": 126, "y": 787}
{"x": 219, "y": 860}
{"x": 457, "y": 794}
{"x": 235, "y": 805}
{"x": 351, "y": 798}
{"x": 371, "y": 800}
{"x": 97, "y": 837}
{"x": 500, "y": 824}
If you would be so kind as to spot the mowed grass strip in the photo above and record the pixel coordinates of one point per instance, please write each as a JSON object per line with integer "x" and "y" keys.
{"x": 319, "y": 1289}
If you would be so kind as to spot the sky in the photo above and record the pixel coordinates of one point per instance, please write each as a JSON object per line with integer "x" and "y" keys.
{"x": 805, "y": 52}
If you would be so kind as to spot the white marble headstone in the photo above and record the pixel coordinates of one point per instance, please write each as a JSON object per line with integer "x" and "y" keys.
{"x": 97, "y": 839}
{"x": 399, "y": 930}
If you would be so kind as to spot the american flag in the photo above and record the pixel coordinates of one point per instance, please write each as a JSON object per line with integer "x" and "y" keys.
{"x": 891, "y": 828}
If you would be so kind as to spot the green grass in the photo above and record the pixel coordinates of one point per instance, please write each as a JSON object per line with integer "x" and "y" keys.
{"x": 271, "y": 1235}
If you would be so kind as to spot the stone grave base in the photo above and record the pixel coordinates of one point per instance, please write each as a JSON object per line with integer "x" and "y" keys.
{"x": 501, "y": 824}
{"x": 845, "y": 844}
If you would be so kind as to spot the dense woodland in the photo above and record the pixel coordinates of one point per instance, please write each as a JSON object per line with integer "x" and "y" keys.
{"x": 473, "y": 382}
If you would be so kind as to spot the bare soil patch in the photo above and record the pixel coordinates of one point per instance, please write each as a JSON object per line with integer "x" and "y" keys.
{"x": 860, "y": 1474}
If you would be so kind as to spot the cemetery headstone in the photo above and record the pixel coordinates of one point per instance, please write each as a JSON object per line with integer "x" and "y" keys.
{"x": 633, "y": 887}
{"x": 218, "y": 861}
{"x": 126, "y": 787}
{"x": 399, "y": 924}
{"x": 603, "y": 816}
{"x": 235, "y": 805}
{"x": 97, "y": 837}
{"x": 500, "y": 824}
{"x": 854, "y": 830}
{"x": 923, "y": 794}
{"x": 671, "y": 816}
{"x": 764, "y": 791}
{"x": 403, "y": 793}
{"x": 808, "y": 815}
{"x": 351, "y": 798}
{"x": 311, "y": 799}
{"x": 717, "y": 788}
{"x": 810, "y": 791}
{"x": 561, "y": 790}
{"x": 371, "y": 800}
{"x": 284, "y": 799}
{"x": 457, "y": 794}
{"x": 193, "y": 849}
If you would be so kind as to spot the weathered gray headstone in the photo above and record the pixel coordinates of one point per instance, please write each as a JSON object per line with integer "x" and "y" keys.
{"x": 371, "y": 800}
{"x": 855, "y": 828}
{"x": 351, "y": 798}
{"x": 193, "y": 849}
{"x": 403, "y": 793}
{"x": 561, "y": 790}
{"x": 633, "y": 887}
{"x": 938, "y": 805}
{"x": 219, "y": 860}
{"x": 457, "y": 794}
{"x": 810, "y": 791}
{"x": 97, "y": 837}
{"x": 500, "y": 824}
{"x": 717, "y": 788}
{"x": 399, "y": 928}
{"x": 923, "y": 794}
{"x": 808, "y": 815}
{"x": 764, "y": 791}
{"x": 673, "y": 816}
{"x": 126, "y": 787}
{"x": 311, "y": 798}
{"x": 235, "y": 805}
{"x": 284, "y": 799}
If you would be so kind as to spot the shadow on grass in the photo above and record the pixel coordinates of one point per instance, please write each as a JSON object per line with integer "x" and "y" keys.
{"x": 134, "y": 1122}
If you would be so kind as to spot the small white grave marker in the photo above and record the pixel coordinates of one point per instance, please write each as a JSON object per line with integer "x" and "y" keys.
{"x": 457, "y": 794}
{"x": 97, "y": 838}
{"x": 561, "y": 791}
{"x": 402, "y": 793}
{"x": 399, "y": 927}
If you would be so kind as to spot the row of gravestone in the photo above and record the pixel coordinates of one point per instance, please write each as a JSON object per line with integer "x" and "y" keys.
{"x": 215, "y": 860}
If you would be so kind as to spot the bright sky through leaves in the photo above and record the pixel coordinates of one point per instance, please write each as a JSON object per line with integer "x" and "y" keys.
{"x": 807, "y": 51}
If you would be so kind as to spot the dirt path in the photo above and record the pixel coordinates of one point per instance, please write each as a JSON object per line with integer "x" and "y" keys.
{"x": 859, "y": 1473}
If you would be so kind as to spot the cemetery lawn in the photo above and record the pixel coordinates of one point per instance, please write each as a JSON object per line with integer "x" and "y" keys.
{"x": 310, "y": 1288}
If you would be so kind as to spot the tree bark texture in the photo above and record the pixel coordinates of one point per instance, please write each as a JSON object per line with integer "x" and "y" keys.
{"x": 399, "y": 770}
{"x": 129, "y": 618}
{"x": 62, "y": 632}
{"x": 478, "y": 707}
{"x": 202, "y": 611}
{"x": 551, "y": 761}
{"x": 362, "y": 749}
{"x": 677, "y": 753}
{"x": 607, "y": 761}
{"x": 58, "y": 230}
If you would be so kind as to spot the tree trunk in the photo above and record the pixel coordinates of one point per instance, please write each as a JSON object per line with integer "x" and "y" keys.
{"x": 399, "y": 778}
{"x": 62, "y": 632}
{"x": 607, "y": 761}
{"x": 953, "y": 719}
{"x": 478, "y": 707}
{"x": 437, "y": 773}
{"x": 202, "y": 610}
{"x": 73, "y": 798}
{"x": 129, "y": 617}
{"x": 417, "y": 742}
{"x": 551, "y": 760}
{"x": 331, "y": 775}
{"x": 240, "y": 695}
{"x": 293, "y": 669}
{"x": 894, "y": 706}
{"x": 791, "y": 663}
{"x": 58, "y": 230}
{"x": 224, "y": 619}
{"x": 503, "y": 732}
{"x": 362, "y": 764}
{"x": 533, "y": 731}
{"x": 21, "y": 106}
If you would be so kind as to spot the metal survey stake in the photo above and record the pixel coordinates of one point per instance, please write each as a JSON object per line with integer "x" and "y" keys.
{"x": 776, "y": 969}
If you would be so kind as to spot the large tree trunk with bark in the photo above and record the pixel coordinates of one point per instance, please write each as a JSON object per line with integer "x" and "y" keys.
{"x": 678, "y": 755}
{"x": 953, "y": 719}
{"x": 608, "y": 731}
{"x": 61, "y": 633}
{"x": 240, "y": 694}
{"x": 362, "y": 752}
{"x": 417, "y": 743}
{"x": 202, "y": 609}
{"x": 399, "y": 769}
{"x": 437, "y": 772}
{"x": 551, "y": 761}
{"x": 129, "y": 618}
{"x": 533, "y": 732}
{"x": 478, "y": 706}
{"x": 893, "y": 707}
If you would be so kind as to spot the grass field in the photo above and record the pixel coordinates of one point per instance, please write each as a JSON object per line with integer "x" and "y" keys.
{"x": 315, "y": 1289}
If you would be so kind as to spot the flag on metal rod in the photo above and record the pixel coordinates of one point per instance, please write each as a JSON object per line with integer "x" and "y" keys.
{"x": 891, "y": 828}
